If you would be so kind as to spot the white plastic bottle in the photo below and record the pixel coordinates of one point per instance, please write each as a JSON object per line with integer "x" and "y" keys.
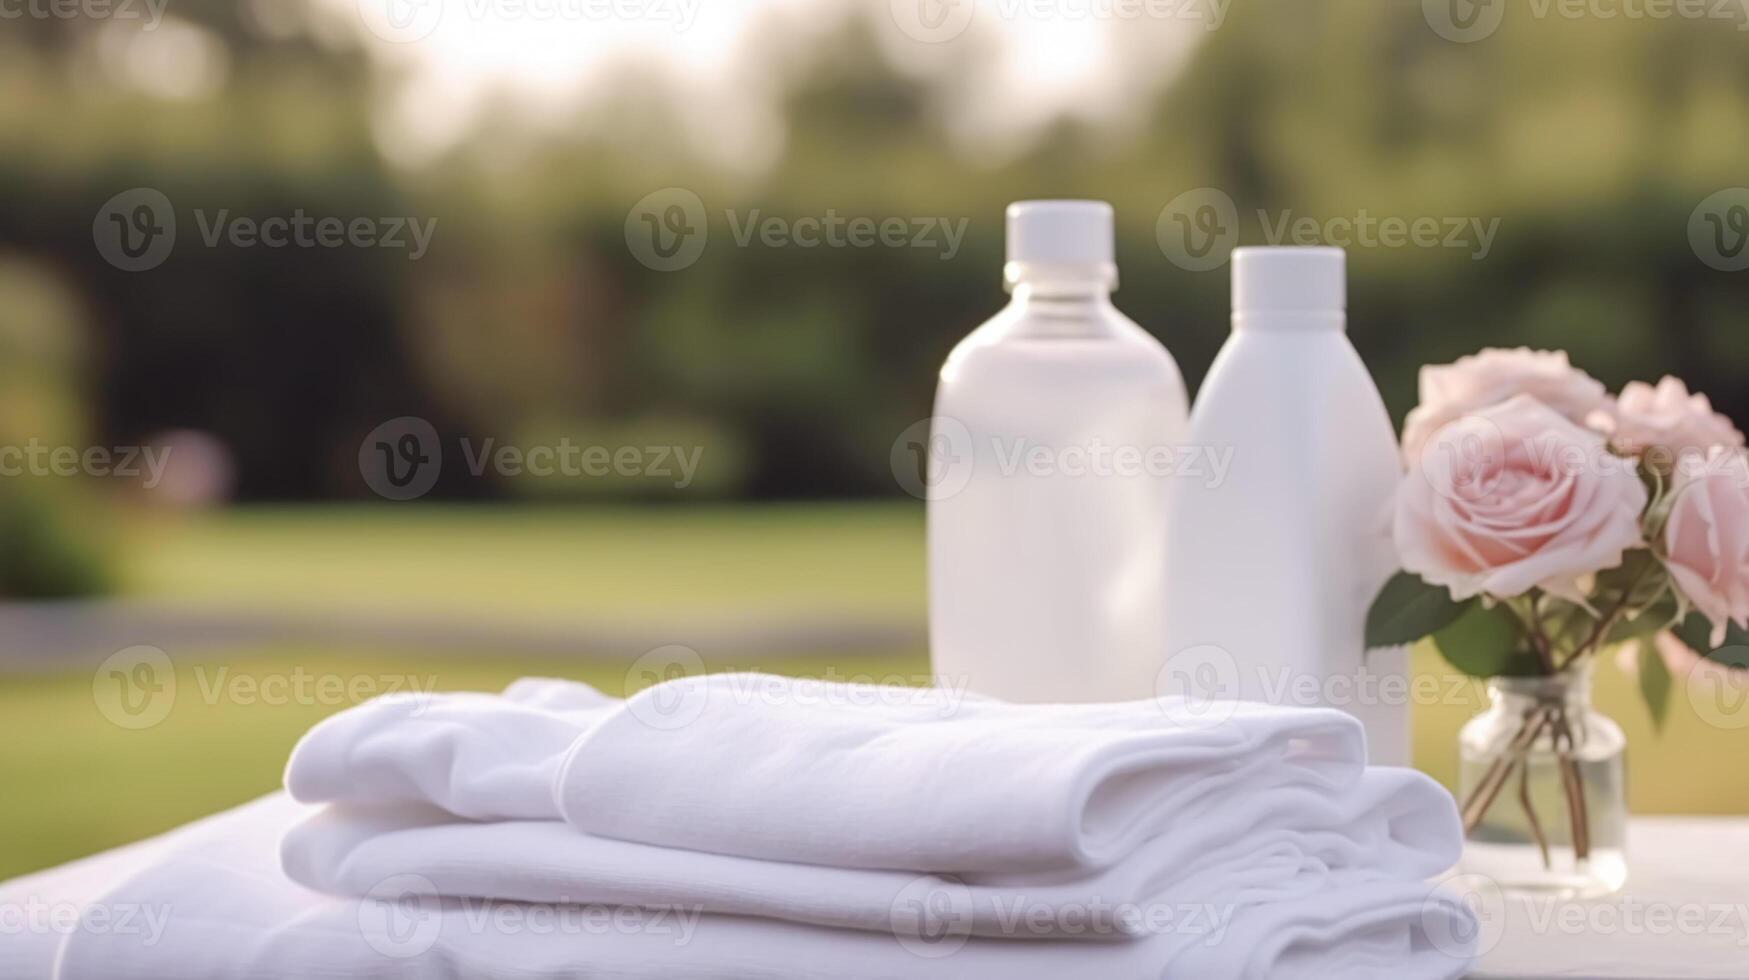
{"x": 1272, "y": 570}
{"x": 1049, "y": 478}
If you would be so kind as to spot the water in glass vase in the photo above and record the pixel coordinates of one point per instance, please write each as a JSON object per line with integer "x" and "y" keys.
{"x": 1541, "y": 784}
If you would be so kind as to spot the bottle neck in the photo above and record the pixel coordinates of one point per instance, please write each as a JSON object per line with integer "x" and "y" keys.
{"x": 1059, "y": 308}
{"x": 1292, "y": 320}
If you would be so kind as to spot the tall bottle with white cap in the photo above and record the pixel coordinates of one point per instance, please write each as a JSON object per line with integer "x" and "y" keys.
{"x": 1271, "y": 568}
{"x": 1050, "y": 463}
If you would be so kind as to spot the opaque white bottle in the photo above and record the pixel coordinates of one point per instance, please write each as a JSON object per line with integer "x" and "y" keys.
{"x": 1049, "y": 478}
{"x": 1271, "y": 571}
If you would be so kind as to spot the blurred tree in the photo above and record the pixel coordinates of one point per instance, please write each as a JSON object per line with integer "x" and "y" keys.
{"x": 1590, "y": 141}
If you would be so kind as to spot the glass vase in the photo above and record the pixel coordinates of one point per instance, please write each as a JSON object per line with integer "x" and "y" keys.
{"x": 1542, "y": 788}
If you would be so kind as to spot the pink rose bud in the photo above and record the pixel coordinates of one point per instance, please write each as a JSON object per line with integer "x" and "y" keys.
{"x": 1707, "y": 538}
{"x": 1451, "y": 391}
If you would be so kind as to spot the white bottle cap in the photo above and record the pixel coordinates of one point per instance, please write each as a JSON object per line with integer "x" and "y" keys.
{"x": 1060, "y": 235}
{"x": 1288, "y": 279}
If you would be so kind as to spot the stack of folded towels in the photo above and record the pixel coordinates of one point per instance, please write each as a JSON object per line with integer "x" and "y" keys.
{"x": 741, "y": 825}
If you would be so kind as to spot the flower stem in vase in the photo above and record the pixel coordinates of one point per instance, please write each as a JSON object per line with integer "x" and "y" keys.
{"x": 1573, "y": 782}
{"x": 1476, "y": 806}
{"x": 1536, "y": 825}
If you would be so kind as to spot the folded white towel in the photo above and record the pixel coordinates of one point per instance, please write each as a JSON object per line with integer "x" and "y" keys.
{"x": 232, "y": 915}
{"x": 1256, "y": 847}
{"x": 825, "y": 773}
{"x": 480, "y": 756}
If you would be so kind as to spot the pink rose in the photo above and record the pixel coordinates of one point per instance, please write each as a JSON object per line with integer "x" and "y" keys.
{"x": 1707, "y": 538}
{"x": 1515, "y": 496}
{"x": 1667, "y": 417}
{"x": 1451, "y": 391}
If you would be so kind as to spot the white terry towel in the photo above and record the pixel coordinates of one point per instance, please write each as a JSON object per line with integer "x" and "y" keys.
{"x": 825, "y": 773}
{"x": 232, "y": 915}
{"x": 1264, "y": 847}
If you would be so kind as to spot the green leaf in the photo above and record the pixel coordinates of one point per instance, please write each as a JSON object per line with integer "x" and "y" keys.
{"x": 1639, "y": 579}
{"x": 1487, "y": 642}
{"x": 1567, "y": 624}
{"x": 1655, "y": 684}
{"x": 1697, "y": 632}
{"x": 1652, "y": 619}
{"x": 1408, "y": 609}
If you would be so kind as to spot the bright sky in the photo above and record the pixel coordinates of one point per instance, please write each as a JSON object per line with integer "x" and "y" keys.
{"x": 1054, "y": 56}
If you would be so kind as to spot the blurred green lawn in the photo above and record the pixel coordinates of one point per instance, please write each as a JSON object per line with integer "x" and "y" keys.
{"x": 75, "y": 783}
{"x": 543, "y": 562}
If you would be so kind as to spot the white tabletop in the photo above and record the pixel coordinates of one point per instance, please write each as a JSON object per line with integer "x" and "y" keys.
{"x": 1684, "y": 913}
